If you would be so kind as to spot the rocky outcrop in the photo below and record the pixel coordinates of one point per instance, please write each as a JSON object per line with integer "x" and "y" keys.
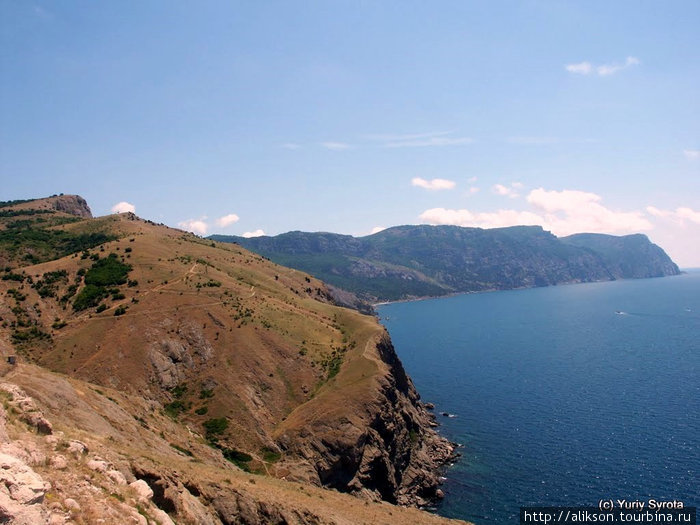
{"x": 72, "y": 204}
{"x": 390, "y": 451}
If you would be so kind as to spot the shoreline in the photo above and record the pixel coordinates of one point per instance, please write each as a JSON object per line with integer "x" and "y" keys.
{"x": 491, "y": 290}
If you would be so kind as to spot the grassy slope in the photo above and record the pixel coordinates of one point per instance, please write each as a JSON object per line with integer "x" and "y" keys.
{"x": 259, "y": 344}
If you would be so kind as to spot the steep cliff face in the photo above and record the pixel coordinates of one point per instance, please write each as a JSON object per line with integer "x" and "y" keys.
{"x": 381, "y": 447}
{"x": 627, "y": 257}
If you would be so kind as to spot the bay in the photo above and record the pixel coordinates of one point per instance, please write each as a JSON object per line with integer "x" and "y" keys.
{"x": 562, "y": 395}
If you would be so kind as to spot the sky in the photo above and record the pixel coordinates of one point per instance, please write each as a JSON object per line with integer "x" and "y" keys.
{"x": 252, "y": 118}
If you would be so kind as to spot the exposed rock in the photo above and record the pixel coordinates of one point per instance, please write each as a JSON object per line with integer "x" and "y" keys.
{"x": 116, "y": 476}
{"x": 98, "y": 465}
{"x": 77, "y": 448}
{"x": 71, "y": 504}
{"x": 73, "y": 204}
{"x": 59, "y": 462}
{"x": 391, "y": 454}
{"x": 21, "y": 492}
{"x": 142, "y": 489}
{"x": 29, "y": 412}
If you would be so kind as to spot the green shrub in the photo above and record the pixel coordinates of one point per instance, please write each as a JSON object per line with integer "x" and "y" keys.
{"x": 121, "y": 310}
{"x": 88, "y": 297}
{"x": 108, "y": 272}
{"x": 215, "y": 426}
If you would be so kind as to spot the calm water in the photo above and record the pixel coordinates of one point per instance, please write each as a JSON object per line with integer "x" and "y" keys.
{"x": 562, "y": 395}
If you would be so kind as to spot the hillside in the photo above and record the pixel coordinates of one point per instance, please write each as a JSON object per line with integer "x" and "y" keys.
{"x": 417, "y": 261}
{"x": 225, "y": 366}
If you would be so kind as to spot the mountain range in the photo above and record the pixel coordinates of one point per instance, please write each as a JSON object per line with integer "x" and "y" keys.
{"x": 407, "y": 262}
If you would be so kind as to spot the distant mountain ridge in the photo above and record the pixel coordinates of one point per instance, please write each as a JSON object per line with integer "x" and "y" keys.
{"x": 406, "y": 262}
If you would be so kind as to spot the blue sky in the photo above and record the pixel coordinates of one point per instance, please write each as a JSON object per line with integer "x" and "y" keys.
{"x": 348, "y": 116}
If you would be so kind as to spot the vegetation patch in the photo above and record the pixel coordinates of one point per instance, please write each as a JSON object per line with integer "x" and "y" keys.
{"x": 238, "y": 458}
{"x": 215, "y": 427}
{"x": 108, "y": 272}
{"x": 105, "y": 272}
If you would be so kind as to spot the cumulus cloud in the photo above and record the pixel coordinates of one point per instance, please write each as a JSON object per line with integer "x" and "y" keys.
{"x": 434, "y": 184}
{"x": 255, "y": 233}
{"x": 465, "y": 217}
{"x": 573, "y": 211}
{"x": 561, "y": 212}
{"x": 227, "y": 220}
{"x": 586, "y": 68}
{"x": 691, "y": 154}
{"x": 336, "y": 146}
{"x": 680, "y": 215}
{"x": 507, "y": 191}
{"x": 123, "y": 207}
{"x": 197, "y": 226}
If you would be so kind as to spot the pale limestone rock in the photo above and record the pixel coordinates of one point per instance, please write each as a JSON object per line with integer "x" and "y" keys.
{"x": 77, "y": 448}
{"x": 98, "y": 465}
{"x": 23, "y": 484}
{"x": 56, "y": 519}
{"x": 59, "y": 462}
{"x": 161, "y": 517}
{"x": 142, "y": 489}
{"x": 71, "y": 504}
{"x": 116, "y": 476}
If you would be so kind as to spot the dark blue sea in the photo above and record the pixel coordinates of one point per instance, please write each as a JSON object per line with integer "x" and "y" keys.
{"x": 562, "y": 395}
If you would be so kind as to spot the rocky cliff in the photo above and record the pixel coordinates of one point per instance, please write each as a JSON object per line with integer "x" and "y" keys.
{"x": 415, "y": 261}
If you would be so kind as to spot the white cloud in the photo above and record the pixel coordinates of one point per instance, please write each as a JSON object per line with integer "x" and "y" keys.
{"x": 680, "y": 215}
{"x": 256, "y": 233}
{"x": 656, "y": 212}
{"x": 472, "y": 180}
{"x": 123, "y": 207}
{"x": 197, "y": 226}
{"x": 434, "y": 184}
{"x": 336, "y": 146}
{"x": 227, "y": 220}
{"x": 691, "y": 154}
{"x": 573, "y": 211}
{"x": 586, "y": 68}
{"x": 465, "y": 217}
{"x": 561, "y": 212}
{"x": 506, "y": 191}
{"x": 291, "y": 145}
{"x": 582, "y": 68}
{"x": 472, "y": 190}
{"x": 689, "y": 214}
{"x": 377, "y": 229}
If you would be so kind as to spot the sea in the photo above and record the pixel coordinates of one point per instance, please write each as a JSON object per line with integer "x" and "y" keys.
{"x": 560, "y": 396}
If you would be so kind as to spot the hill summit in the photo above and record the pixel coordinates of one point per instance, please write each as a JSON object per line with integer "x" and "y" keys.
{"x": 156, "y": 373}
